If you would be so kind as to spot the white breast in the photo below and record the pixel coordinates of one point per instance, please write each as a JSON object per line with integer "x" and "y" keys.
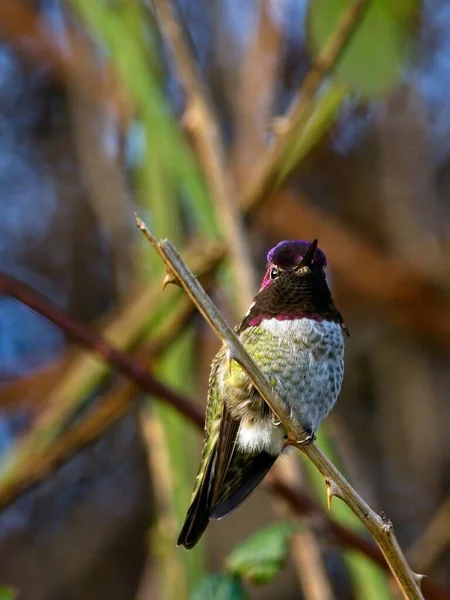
{"x": 305, "y": 359}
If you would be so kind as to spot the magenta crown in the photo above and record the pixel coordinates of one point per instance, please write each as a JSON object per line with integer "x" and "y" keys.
{"x": 290, "y": 253}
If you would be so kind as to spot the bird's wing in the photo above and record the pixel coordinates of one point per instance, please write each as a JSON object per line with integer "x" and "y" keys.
{"x": 245, "y": 472}
{"x": 197, "y": 517}
{"x": 226, "y": 476}
{"x": 229, "y": 477}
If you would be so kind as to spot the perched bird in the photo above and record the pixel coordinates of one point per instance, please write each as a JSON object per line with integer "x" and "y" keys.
{"x": 294, "y": 333}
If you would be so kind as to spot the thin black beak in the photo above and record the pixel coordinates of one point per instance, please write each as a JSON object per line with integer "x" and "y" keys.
{"x": 307, "y": 259}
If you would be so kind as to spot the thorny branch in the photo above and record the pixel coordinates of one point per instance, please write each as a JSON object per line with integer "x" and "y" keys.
{"x": 378, "y": 525}
{"x": 109, "y": 357}
{"x": 115, "y": 405}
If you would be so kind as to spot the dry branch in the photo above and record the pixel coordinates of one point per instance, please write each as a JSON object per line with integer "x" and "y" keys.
{"x": 405, "y": 290}
{"x": 114, "y": 407}
{"x": 76, "y": 332}
{"x": 378, "y": 525}
{"x": 257, "y": 78}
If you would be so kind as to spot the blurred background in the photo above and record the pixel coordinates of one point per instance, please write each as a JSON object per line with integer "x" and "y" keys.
{"x": 214, "y": 120}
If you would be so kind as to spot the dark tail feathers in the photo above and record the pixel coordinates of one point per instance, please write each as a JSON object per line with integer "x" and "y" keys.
{"x": 201, "y": 510}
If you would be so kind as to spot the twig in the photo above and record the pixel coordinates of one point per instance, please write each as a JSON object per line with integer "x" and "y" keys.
{"x": 100, "y": 418}
{"x": 261, "y": 182}
{"x": 378, "y": 525}
{"x": 76, "y": 332}
{"x": 204, "y": 130}
{"x": 303, "y": 504}
{"x": 108, "y": 411}
{"x": 310, "y": 566}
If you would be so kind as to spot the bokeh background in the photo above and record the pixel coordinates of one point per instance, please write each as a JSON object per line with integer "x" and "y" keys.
{"x": 99, "y": 118}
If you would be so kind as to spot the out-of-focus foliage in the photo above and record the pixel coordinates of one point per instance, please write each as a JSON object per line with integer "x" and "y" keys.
{"x": 219, "y": 587}
{"x": 376, "y": 176}
{"x": 167, "y": 165}
{"x": 378, "y": 50}
{"x": 261, "y": 557}
{"x": 8, "y": 593}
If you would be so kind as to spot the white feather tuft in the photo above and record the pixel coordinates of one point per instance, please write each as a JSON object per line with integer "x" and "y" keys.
{"x": 262, "y": 436}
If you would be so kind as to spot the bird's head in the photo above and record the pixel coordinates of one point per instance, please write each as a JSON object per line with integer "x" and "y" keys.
{"x": 292, "y": 260}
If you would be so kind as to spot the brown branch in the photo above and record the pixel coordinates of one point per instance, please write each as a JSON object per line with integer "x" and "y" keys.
{"x": 262, "y": 182}
{"x": 204, "y": 130}
{"x": 115, "y": 405}
{"x": 103, "y": 415}
{"x": 378, "y": 525}
{"x": 77, "y": 333}
{"x": 170, "y": 574}
{"x": 408, "y": 296}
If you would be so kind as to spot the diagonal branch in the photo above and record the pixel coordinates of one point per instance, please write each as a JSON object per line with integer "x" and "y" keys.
{"x": 378, "y": 525}
{"x": 76, "y": 332}
{"x": 115, "y": 405}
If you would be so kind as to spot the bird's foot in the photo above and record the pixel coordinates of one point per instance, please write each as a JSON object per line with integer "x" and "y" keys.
{"x": 309, "y": 439}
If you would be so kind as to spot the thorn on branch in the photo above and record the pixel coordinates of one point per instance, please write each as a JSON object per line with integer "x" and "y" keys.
{"x": 231, "y": 355}
{"x": 170, "y": 277}
{"x": 419, "y": 577}
{"x": 332, "y": 490}
{"x": 380, "y": 527}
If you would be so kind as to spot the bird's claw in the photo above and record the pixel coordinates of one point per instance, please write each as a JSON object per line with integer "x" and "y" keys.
{"x": 309, "y": 439}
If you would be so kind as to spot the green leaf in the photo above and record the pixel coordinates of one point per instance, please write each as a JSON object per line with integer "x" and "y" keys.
{"x": 262, "y": 556}
{"x": 7, "y": 593}
{"x": 377, "y": 52}
{"x": 219, "y": 587}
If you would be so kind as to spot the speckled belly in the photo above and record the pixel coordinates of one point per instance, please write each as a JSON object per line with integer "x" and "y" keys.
{"x": 304, "y": 360}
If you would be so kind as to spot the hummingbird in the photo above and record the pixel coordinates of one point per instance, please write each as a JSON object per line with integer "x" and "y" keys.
{"x": 294, "y": 333}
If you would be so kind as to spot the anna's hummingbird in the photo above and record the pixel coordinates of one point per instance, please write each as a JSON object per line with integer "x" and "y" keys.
{"x": 294, "y": 332}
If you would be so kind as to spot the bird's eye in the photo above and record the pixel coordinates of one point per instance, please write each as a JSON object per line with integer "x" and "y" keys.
{"x": 274, "y": 272}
